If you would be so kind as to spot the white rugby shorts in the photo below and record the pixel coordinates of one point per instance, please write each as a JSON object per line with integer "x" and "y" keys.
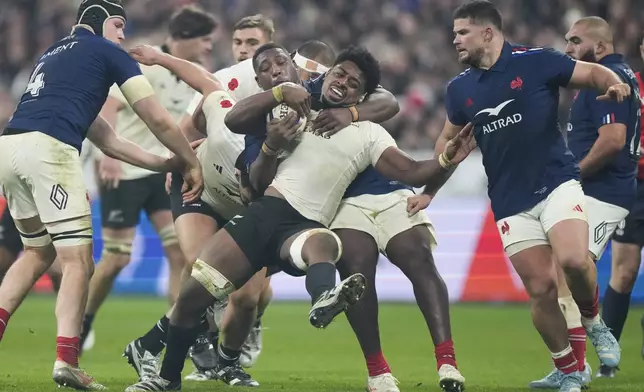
{"x": 42, "y": 176}
{"x": 529, "y": 228}
{"x": 381, "y": 216}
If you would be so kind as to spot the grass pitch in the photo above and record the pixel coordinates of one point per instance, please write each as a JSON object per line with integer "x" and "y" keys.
{"x": 496, "y": 346}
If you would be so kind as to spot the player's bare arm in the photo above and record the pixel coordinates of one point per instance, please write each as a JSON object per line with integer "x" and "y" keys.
{"x": 103, "y": 136}
{"x": 611, "y": 140}
{"x": 278, "y": 134}
{"x": 397, "y": 165}
{"x": 600, "y": 78}
{"x": 421, "y": 201}
{"x": 193, "y": 75}
{"x": 378, "y": 107}
{"x": 160, "y": 122}
{"x": 109, "y": 168}
{"x": 249, "y": 115}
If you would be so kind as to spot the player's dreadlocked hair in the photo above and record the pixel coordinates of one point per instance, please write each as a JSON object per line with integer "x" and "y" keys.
{"x": 367, "y": 64}
{"x": 264, "y": 48}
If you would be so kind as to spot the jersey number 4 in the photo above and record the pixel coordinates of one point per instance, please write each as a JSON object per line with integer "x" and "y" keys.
{"x": 36, "y": 81}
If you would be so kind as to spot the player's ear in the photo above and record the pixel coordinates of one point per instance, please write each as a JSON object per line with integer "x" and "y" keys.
{"x": 488, "y": 34}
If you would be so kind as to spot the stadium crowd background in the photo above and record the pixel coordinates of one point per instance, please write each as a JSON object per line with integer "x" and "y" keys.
{"x": 411, "y": 38}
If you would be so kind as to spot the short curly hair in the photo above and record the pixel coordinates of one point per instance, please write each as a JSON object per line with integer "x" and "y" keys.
{"x": 365, "y": 62}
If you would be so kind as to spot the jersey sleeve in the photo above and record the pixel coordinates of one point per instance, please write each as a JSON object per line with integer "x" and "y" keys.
{"x": 380, "y": 141}
{"x": 454, "y": 112}
{"x": 557, "y": 66}
{"x": 610, "y": 112}
{"x": 121, "y": 66}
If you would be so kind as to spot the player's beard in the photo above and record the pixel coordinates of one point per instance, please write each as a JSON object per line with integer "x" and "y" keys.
{"x": 474, "y": 57}
{"x": 589, "y": 56}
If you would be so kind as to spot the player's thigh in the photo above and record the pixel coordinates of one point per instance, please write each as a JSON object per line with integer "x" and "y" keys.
{"x": 411, "y": 250}
{"x": 536, "y": 268}
{"x": 398, "y": 230}
{"x": 55, "y": 176}
{"x": 121, "y": 207}
{"x": 72, "y": 239}
{"x": 194, "y": 227}
{"x": 603, "y": 220}
{"x": 359, "y": 253}
{"x": 565, "y": 220}
{"x": 626, "y": 249}
{"x": 157, "y": 204}
{"x": 16, "y": 189}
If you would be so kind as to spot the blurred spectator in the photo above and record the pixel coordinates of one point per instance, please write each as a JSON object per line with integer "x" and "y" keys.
{"x": 411, "y": 38}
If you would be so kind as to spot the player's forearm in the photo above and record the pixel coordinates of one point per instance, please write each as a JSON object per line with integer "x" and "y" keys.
{"x": 193, "y": 75}
{"x": 262, "y": 172}
{"x": 420, "y": 173}
{"x": 600, "y": 155}
{"x": 245, "y": 116}
{"x": 436, "y": 183}
{"x": 129, "y": 152}
{"x": 381, "y": 106}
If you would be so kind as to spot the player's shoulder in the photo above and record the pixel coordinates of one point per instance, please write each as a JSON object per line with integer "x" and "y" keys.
{"x": 529, "y": 53}
{"x": 458, "y": 81}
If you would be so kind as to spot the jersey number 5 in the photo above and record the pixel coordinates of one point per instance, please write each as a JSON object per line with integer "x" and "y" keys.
{"x": 36, "y": 81}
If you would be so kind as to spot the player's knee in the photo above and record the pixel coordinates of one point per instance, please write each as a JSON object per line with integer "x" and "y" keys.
{"x": 245, "y": 298}
{"x": 168, "y": 236}
{"x": 315, "y": 246}
{"x": 541, "y": 288}
{"x": 574, "y": 262}
{"x": 623, "y": 278}
{"x": 212, "y": 280}
{"x": 116, "y": 252}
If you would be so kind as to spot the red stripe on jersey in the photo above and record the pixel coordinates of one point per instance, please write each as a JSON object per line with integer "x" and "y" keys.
{"x": 640, "y": 164}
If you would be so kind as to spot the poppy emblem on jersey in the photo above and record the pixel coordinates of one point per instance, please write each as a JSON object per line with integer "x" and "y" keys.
{"x": 577, "y": 208}
{"x": 505, "y": 228}
{"x": 516, "y": 84}
{"x": 469, "y": 102}
{"x": 226, "y": 104}
{"x": 233, "y": 84}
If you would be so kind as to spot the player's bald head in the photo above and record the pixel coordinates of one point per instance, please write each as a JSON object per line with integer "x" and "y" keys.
{"x": 596, "y": 28}
{"x": 589, "y": 39}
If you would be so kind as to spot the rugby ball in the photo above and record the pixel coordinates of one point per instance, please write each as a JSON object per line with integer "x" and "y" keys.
{"x": 282, "y": 110}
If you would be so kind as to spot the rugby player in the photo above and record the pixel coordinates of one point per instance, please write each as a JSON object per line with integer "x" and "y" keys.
{"x": 371, "y": 219}
{"x": 604, "y": 136}
{"x": 195, "y": 222}
{"x": 237, "y": 325}
{"x": 127, "y": 190}
{"x": 43, "y": 181}
{"x": 511, "y": 94}
{"x": 282, "y": 237}
{"x": 628, "y": 241}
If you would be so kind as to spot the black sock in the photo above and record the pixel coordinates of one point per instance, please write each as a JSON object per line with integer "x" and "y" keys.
{"x": 258, "y": 323}
{"x": 214, "y": 338}
{"x": 319, "y": 278}
{"x": 179, "y": 341}
{"x": 87, "y": 326}
{"x": 154, "y": 341}
{"x": 615, "y": 310}
{"x": 227, "y": 357}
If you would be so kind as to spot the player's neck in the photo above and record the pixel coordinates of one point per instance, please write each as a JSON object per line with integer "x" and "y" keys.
{"x": 492, "y": 54}
{"x": 607, "y": 52}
